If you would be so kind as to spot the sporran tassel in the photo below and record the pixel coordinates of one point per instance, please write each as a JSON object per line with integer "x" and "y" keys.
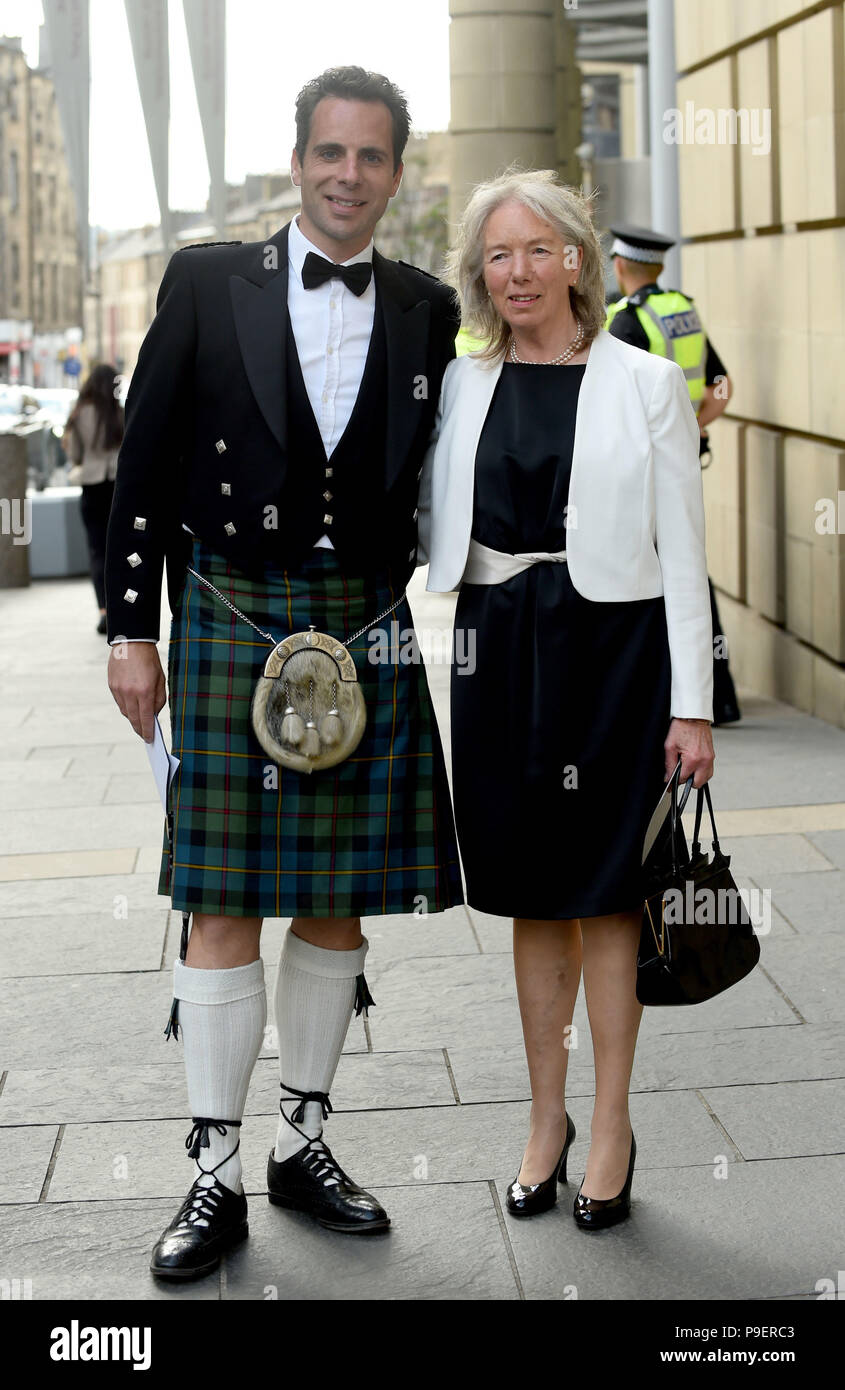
{"x": 310, "y": 747}
{"x": 363, "y": 999}
{"x": 331, "y": 726}
{"x": 173, "y": 1020}
{"x": 293, "y": 725}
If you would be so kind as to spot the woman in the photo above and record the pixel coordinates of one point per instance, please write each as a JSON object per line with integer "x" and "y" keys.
{"x": 562, "y": 492}
{"x": 92, "y": 438}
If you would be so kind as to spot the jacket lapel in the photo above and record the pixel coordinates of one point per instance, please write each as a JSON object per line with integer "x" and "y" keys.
{"x": 406, "y": 326}
{"x": 259, "y": 305}
{"x": 588, "y": 411}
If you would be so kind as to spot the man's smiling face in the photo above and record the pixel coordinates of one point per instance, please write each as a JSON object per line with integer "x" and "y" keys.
{"x": 347, "y": 176}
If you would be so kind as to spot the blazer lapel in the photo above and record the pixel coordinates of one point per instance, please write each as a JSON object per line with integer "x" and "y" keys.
{"x": 406, "y": 326}
{"x": 483, "y": 379}
{"x": 259, "y": 306}
{"x": 588, "y": 411}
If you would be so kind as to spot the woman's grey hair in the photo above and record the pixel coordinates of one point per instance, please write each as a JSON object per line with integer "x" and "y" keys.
{"x": 567, "y": 209}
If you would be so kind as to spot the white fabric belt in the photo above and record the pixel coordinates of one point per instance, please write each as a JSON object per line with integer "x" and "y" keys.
{"x": 486, "y": 566}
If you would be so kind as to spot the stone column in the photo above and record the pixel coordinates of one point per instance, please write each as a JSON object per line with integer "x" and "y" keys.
{"x": 503, "y": 90}
{"x": 665, "y": 209}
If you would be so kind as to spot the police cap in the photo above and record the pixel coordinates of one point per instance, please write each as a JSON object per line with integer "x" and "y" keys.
{"x": 640, "y": 244}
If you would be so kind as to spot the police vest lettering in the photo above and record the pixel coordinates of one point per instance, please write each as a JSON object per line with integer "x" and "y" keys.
{"x": 674, "y": 330}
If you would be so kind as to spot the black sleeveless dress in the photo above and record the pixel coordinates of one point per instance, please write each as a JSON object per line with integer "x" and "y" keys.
{"x": 558, "y": 731}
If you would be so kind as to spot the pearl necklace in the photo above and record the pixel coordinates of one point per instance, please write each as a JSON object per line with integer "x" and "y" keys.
{"x": 577, "y": 342}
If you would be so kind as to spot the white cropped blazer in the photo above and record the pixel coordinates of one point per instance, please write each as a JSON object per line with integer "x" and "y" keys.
{"x": 635, "y": 514}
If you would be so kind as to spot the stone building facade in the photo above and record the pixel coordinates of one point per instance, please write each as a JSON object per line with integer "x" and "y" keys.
{"x": 40, "y": 263}
{"x": 764, "y": 256}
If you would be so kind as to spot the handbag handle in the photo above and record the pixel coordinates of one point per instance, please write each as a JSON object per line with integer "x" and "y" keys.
{"x": 677, "y": 809}
{"x": 704, "y": 795}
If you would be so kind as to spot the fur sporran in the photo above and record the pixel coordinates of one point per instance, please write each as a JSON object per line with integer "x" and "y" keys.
{"x": 308, "y": 711}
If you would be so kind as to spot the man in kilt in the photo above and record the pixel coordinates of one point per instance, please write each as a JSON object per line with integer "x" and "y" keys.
{"x": 276, "y": 425}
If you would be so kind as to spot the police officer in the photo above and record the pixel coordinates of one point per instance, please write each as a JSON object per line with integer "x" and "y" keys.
{"x": 667, "y": 322}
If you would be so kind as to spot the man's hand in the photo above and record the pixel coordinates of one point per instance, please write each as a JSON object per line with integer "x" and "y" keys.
{"x": 136, "y": 681}
{"x": 692, "y": 742}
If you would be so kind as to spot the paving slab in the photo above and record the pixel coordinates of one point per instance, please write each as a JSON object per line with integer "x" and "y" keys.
{"x": 130, "y": 789}
{"x": 788, "y": 1120}
{"x": 99, "y": 828}
{"x": 66, "y": 1095}
{"x": 690, "y": 1235}
{"x": 810, "y": 969}
{"x": 830, "y": 843}
{"x": 81, "y": 1018}
{"x": 123, "y": 756}
{"x": 13, "y": 714}
{"x": 729, "y": 1057}
{"x": 92, "y": 1250}
{"x": 444, "y": 1243}
{"x": 24, "y": 1160}
{"x": 17, "y": 768}
{"x": 813, "y": 903}
{"x": 150, "y": 855}
{"x": 760, "y": 856}
{"x": 71, "y": 863}
{"x": 81, "y": 943}
{"x": 450, "y": 1143}
{"x": 89, "y": 893}
{"x": 441, "y": 1003}
{"x": 90, "y": 755}
{"x": 21, "y": 793}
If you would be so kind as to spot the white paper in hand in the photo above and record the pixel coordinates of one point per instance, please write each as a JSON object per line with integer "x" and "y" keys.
{"x": 162, "y": 763}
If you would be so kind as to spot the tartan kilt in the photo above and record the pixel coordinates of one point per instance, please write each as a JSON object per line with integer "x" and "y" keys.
{"x": 371, "y": 836}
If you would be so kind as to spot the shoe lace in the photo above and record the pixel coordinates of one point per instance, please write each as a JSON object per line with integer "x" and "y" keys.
{"x": 205, "y": 1196}
{"x": 316, "y": 1155}
{"x": 200, "y": 1205}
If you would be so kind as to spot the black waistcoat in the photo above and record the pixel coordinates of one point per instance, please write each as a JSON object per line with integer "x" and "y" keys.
{"x": 354, "y": 515}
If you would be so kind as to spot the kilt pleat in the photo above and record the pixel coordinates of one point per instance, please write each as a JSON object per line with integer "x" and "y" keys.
{"x": 373, "y": 835}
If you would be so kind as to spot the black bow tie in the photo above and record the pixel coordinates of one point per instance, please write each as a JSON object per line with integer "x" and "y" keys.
{"x": 317, "y": 270}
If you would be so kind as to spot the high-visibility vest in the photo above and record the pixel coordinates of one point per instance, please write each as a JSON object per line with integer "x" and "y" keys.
{"x": 465, "y": 342}
{"x": 674, "y": 330}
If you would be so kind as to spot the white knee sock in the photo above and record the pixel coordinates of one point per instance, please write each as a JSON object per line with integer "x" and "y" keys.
{"x": 222, "y": 1015}
{"x": 315, "y": 993}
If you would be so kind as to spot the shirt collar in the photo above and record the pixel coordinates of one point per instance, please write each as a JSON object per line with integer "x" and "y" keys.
{"x": 299, "y": 246}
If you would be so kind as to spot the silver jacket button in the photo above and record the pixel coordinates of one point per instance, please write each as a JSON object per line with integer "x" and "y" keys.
{"x": 226, "y": 489}
{"x": 140, "y": 523}
{"x": 134, "y": 559}
{"x": 220, "y": 446}
{"x": 131, "y": 595}
{"x": 229, "y": 528}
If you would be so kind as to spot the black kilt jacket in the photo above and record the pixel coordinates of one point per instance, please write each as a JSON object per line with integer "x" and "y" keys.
{"x": 207, "y": 443}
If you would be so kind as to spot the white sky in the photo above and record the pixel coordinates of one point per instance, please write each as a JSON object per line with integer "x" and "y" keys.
{"x": 273, "y": 47}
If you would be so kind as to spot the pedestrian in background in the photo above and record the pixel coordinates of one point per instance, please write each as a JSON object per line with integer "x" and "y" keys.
{"x": 92, "y": 439}
{"x": 580, "y": 556}
{"x": 666, "y": 322}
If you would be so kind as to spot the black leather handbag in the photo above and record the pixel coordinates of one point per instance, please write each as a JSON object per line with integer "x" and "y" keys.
{"x": 697, "y": 938}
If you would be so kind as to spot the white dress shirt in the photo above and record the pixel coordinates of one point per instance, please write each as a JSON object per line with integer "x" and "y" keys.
{"x": 332, "y": 328}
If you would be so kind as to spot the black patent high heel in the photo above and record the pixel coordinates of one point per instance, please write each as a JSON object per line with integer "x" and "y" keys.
{"x": 597, "y": 1213}
{"x": 529, "y": 1199}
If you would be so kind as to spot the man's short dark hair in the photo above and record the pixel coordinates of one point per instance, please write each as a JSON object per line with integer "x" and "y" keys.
{"x": 353, "y": 84}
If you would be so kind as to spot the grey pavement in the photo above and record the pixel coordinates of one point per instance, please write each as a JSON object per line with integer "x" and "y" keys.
{"x": 738, "y": 1104}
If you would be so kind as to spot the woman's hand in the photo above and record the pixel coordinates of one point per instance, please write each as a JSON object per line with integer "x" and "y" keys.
{"x": 692, "y": 742}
